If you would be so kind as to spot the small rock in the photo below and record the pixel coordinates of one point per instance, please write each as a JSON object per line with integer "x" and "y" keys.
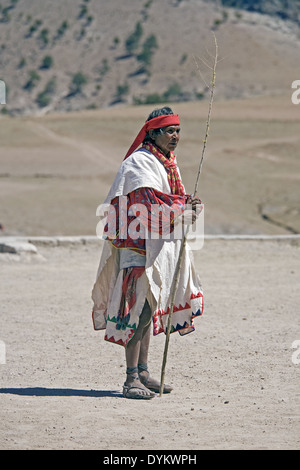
{"x": 16, "y": 247}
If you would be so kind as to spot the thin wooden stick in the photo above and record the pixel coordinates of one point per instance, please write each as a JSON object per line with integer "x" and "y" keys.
{"x": 169, "y": 324}
{"x": 212, "y": 91}
{"x": 183, "y": 242}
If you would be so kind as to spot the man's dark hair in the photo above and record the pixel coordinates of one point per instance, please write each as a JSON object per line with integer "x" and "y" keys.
{"x": 160, "y": 112}
{"x": 155, "y": 113}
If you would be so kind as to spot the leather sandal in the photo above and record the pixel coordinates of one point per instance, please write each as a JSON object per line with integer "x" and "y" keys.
{"x": 147, "y": 381}
{"x": 137, "y": 392}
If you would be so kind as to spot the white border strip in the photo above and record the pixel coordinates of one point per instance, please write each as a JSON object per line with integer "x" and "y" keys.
{"x": 252, "y": 237}
{"x": 64, "y": 240}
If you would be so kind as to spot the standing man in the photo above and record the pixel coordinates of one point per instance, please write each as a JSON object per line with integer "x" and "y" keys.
{"x": 133, "y": 286}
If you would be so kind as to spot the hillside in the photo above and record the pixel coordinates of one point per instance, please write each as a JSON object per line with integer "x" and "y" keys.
{"x": 286, "y": 9}
{"x": 56, "y": 169}
{"x": 94, "y": 54}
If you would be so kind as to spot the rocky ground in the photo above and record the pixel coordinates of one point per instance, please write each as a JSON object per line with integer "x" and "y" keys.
{"x": 235, "y": 378}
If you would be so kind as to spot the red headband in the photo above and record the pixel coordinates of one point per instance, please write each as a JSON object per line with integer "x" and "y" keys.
{"x": 155, "y": 123}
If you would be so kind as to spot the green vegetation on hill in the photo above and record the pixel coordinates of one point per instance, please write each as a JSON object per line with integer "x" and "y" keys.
{"x": 285, "y": 9}
{"x": 82, "y": 54}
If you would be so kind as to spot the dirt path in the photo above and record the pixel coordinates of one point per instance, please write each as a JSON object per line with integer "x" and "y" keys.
{"x": 235, "y": 384}
{"x": 88, "y": 151}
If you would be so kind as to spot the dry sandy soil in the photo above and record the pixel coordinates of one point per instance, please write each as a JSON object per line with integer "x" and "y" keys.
{"x": 56, "y": 170}
{"x": 235, "y": 384}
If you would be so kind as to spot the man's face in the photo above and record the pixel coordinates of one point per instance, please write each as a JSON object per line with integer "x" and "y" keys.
{"x": 167, "y": 141}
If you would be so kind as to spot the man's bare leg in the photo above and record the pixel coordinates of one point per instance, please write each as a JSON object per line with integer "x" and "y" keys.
{"x": 137, "y": 350}
{"x": 144, "y": 375}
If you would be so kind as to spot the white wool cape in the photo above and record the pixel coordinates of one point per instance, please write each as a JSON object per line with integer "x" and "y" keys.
{"x": 143, "y": 169}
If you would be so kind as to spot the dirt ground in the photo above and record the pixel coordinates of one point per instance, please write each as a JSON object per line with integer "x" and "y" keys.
{"x": 236, "y": 385}
{"x": 236, "y": 378}
{"x": 55, "y": 170}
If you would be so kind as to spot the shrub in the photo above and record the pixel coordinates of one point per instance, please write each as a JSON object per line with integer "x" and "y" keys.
{"x": 83, "y": 11}
{"x": 22, "y": 63}
{"x": 152, "y": 98}
{"x": 33, "y": 28}
{"x": 50, "y": 86}
{"x": 116, "y": 41}
{"x": 183, "y": 58}
{"x": 44, "y": 98}
{"x": 32, "y": 80}
{"x": 92, "y": 106}
{"x": 132, "y": 41}
{"x": 5, "y": 15}
{"x": 104, "y": 68}
{"x": 78, "y": 80}
{"x": 44, "y": 36}
{"x": 122, "y": 91}
{"x": 199, "y": 95}
{"x": 151, "y": 42}
{"x": 145, "y": 56}
{"x": 174, "y": 91}
{"x": 62, "y": 29}
{"x": 47, "y": 62}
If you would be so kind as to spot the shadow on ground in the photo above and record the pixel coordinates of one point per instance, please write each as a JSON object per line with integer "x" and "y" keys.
{"x": 59, "y": 392}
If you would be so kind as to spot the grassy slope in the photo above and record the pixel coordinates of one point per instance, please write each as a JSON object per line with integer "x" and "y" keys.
{"x": 55, "y": 170}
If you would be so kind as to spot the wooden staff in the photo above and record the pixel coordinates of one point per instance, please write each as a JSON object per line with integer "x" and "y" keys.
{"x": 184, "y": 238}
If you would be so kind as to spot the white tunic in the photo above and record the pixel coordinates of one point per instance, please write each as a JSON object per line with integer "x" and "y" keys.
{"x": 143, "y": 169}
